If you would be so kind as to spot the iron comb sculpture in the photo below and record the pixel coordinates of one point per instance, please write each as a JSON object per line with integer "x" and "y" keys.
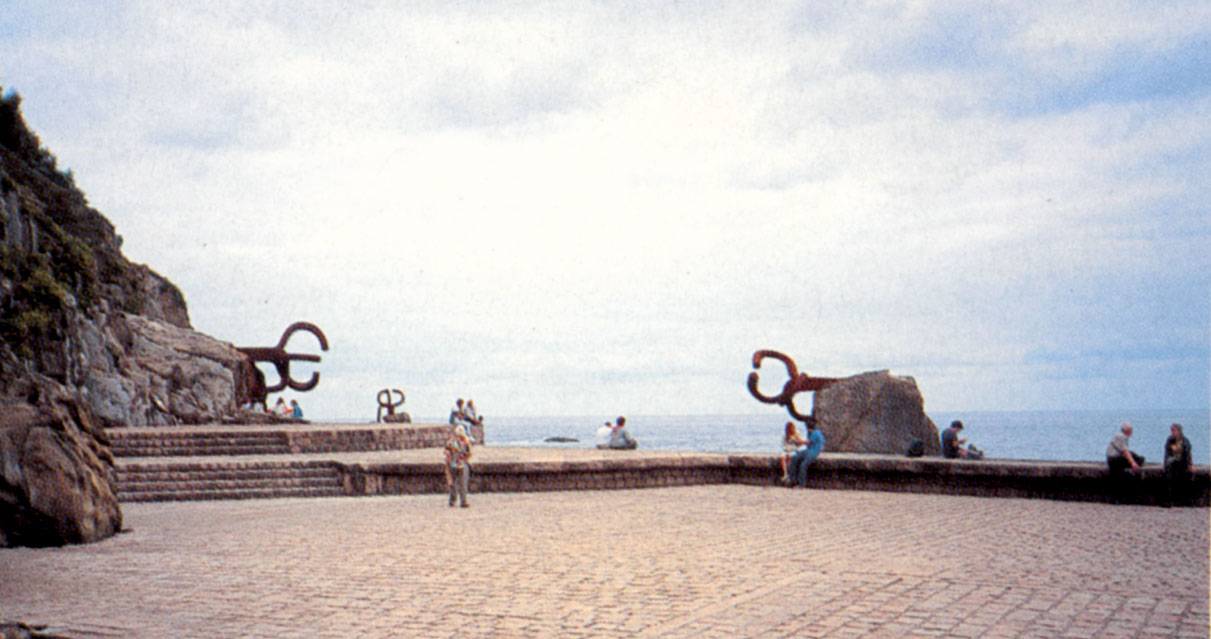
{"x": 385, "y": 403}
{"x": 281, "y": 360}
{"x": 797, "y": 383}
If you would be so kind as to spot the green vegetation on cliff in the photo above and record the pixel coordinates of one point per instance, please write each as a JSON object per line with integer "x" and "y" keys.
{"x": 56, "y": 253}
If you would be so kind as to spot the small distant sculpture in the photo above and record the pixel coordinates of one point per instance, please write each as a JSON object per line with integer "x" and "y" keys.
{"x": 797, "y": 383}
{"x": 386, "y": 404}
{"x": 280, "y": 359}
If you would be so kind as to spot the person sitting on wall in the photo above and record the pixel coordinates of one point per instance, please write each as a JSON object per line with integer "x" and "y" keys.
{"x": 791, "y": 443}
{"x": 458, "y": 415}
{"x": 296, "y": 411}
{"x": 1178, "y": 472}
{"x": 952, "y": 446}
{"x": 620, "y": 439}
{"x": 603, "y": 435}
{"x": 1120, "y": 457}
{"x": 470, "y": 415}
{"x": 807, "y": 456}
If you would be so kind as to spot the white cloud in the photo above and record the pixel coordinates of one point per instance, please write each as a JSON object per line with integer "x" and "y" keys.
{"x": 575, "y": 209}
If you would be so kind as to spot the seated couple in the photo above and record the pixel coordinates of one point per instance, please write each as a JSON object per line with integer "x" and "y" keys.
{"x": 799, "y": 453}
{"x": 616, "y": 436}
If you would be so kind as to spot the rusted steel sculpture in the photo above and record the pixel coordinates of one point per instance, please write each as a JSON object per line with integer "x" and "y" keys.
{"x": 280, "y": 359}
{"x": 385, "y": 403}
{"x": 798, "y": 383}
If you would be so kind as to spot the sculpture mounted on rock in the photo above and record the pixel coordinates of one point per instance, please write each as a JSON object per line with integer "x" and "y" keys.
{"x": 385, "y": 403}
{"x": 797, "y": 383}
{"x": 873, "y": 412}
{"x": 281, "y": 359}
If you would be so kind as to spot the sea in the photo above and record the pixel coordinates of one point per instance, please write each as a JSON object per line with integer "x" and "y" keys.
{"x": 1056, "y": 435}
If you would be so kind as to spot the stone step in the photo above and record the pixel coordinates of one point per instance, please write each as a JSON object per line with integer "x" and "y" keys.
{"x": 200, "y": 450}
{"x": 206, "y": 479}
{"x": 229, "y": 484}
{"x": 232, "y": 493}
{"x": 225, "y": 476}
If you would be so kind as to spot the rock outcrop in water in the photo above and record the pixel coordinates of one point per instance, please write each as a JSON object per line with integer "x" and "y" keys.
{"x": 87, "y": 340}
{"x": 875, "y": 413}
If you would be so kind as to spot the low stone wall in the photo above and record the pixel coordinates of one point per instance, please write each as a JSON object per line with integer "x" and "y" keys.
{"x": 276, "y": 439}
{"x": 1071, "y": 481}
{"x": 622, "y": 473}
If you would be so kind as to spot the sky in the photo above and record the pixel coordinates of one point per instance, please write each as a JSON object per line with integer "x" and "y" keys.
{"x": 603, "y": 208}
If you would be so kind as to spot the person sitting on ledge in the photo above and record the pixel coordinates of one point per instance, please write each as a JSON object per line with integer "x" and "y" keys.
{"x": 603, "y": 435}
{"x": 1177, "y": 467}
{"x": 804, "y": 458}
{"x": 1119, "y": 457}
{"x": 791, "y": 443}
{"x": 472, "y": 416}
{"x": 296, "y": 411}
{"x": 952, "y": 446}
{"x": 620, "y": 439}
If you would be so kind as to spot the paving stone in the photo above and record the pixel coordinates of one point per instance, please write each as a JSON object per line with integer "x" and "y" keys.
{"x": 700, "y": 561}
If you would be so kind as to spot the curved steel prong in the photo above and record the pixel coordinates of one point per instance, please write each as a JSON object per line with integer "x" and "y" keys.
{"x": 791, "y": 371}
{"x": 303, "y": 326}
{"x": 797, "y": 383}
{"x": 280, "y": 359}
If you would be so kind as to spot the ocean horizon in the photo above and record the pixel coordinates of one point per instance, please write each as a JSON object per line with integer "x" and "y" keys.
{"x": 1052, "y": 435}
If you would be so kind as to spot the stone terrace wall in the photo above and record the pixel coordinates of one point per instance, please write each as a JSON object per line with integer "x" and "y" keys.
{"x": 1069, "y": 481}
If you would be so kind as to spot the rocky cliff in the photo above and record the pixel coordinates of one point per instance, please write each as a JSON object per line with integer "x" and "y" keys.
{"x": 87, "y": 340}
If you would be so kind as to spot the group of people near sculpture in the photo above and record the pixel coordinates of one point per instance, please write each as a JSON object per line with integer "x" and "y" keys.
{"x": 293, "y": 411}
{"x": 1123, "y": 464}
{"x": 799, "y": 452}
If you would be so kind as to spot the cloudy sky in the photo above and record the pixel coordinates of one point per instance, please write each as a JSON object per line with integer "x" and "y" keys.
{"x": 606, "y": 207}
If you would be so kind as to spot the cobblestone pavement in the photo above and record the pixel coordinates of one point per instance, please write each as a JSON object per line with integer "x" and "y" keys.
{"x": 702, "y": 562}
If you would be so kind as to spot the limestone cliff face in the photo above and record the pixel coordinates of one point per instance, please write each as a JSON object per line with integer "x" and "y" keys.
{"x": 87, "y": 340}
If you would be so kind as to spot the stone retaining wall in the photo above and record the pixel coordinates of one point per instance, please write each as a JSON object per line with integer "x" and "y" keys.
{"x": 1072, "y": 481}
{"x": 429, "y": 477}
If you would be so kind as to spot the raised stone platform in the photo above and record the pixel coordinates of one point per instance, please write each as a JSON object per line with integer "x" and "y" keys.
{"x": 275, "y": 439}
{"x": 379, "y": 459}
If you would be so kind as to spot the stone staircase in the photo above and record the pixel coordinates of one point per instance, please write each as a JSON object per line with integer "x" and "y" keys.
{"x": 227, "y": 480}
{"x": 250, "y": 462}
{"x": 200, "y": 444}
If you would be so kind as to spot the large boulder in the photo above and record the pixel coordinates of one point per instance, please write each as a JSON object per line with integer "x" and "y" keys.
{"x": 874, "y": 412}
{"x": 56, "y": 474}
{"x": 87, "y": 340}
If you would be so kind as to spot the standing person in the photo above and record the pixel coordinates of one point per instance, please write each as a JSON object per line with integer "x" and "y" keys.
{"x": 296, "y": 411}
{"x": 458, "y": 465}
{"x": 1119, "y": 457}
{"x": 603, "y": 435}
{"x": 791, "y": 442}
{"x": 620, "y": 438}
{"x": 1177, "y": 466}
{"x": 804, "y": 458}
